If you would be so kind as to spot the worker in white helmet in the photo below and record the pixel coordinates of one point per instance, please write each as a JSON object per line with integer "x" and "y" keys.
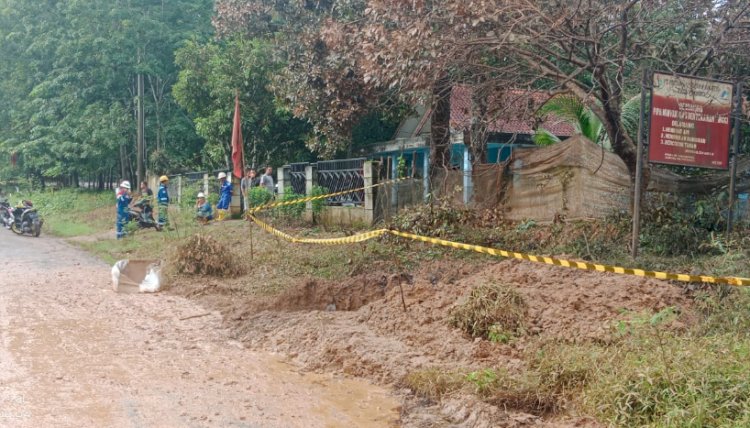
{"x": 225, "y": 196}
{"x": 123, "y": 203}
{"x": 204, "y": 213}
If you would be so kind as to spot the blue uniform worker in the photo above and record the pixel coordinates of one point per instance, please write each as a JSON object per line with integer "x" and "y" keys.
{"x": 225, "y": 196}
{"x": 123, "y": 201}
{"x": 163, "y": 199}
{"x": 204, "y": 213}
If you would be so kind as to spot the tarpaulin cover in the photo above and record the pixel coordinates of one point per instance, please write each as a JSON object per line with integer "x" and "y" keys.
{"x": 573, "y": 179}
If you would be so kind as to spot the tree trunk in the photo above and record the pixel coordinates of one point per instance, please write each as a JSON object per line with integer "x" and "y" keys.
{"x": 440, "y": 128}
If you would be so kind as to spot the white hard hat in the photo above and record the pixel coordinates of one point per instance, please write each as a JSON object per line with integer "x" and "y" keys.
{"x": 201, "y": 195}
{"x": 222, "y": 175}
{"x": 125, "y": 184}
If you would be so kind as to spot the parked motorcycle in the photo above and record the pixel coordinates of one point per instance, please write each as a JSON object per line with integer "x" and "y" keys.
{"x": 6, "y": 214}
{"x": 26, "y": 220}
{"x": 142, "y": 213}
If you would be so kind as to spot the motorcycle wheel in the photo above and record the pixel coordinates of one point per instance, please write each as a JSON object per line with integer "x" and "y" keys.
{"x": 37, "y": 229}
{"x": 15, "y": 229}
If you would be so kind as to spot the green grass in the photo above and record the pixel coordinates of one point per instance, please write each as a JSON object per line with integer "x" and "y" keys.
{"x": 73, "y": 212}
{"x": 649, "y": 376}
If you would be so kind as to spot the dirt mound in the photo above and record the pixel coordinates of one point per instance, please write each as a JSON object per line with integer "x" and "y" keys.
{"x": 360, "y": 326}
{"x": 575, "y": 305}
{"x": 385, "y": 326}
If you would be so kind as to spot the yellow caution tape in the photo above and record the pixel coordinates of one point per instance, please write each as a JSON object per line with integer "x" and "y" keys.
{"x": 270, "y": 205}
{"x": 360, "y": 237}
{"x": 578, "y": 265}
{"x": 731, "y": 280}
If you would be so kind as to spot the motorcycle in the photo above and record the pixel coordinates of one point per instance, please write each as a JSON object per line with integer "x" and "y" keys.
{"x": 25, "y": 219}
{"x": 142, "y": 213}
{"x": 6, "y": 214}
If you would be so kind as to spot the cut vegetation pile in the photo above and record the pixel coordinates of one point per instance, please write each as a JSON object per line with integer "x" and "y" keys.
{"x": 203, "y": 255}
{"x": 493, "y": 311}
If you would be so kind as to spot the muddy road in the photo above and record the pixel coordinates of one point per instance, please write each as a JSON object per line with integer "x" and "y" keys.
{"x": 73, "y": 353}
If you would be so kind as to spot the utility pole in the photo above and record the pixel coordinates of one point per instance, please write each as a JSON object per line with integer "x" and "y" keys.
{"x": 140, "y": 149}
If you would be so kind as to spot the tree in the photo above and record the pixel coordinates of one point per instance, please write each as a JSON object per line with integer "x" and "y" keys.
{"x": 593, "y": 50}
{"x": 69, "y": 72}
{"x": 210, "y": 73}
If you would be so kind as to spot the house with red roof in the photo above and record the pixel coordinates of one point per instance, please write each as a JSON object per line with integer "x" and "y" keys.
{"x": 511, "y": 122}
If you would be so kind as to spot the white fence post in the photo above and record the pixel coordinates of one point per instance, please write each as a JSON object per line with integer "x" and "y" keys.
{"x": 467, "y": 182}
{"x": 179, "y": 189}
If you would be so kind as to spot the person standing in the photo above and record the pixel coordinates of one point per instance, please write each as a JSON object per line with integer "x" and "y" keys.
{"x": 147, "y": 195}
{"x": 123, "y": 201}
{"x": 163, "y": 198}
{"x": 225, "y": 196}
{"x": 146, "y": 191}
{"x": 266, "y": 181}
{"x": 248, "y": 182}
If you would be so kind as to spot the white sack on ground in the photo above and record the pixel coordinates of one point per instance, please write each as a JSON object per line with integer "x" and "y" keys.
{"x": 134, "y": 276}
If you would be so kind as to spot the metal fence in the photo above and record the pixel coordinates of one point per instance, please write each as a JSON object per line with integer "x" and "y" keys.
{"x": 298, "y": 178}
{"x": 340, "y": 175}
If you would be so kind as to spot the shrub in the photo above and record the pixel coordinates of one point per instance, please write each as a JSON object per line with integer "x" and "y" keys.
{"x": 434, "y": 383}
{"x": 493, "y": 311}
{"x": 259, "y": 196}
{"x": 292, "y": 211}
{"x": 318, "y": 204}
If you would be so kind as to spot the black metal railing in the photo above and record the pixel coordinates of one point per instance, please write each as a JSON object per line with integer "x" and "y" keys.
{"x": 298, "y": 178}
{"x": 341, "y": 175}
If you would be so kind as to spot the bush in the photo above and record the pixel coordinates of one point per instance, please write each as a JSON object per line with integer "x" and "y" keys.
{"x": 294, "y": 211}
{"x": 439, "y": 218}
{"x": 259, "y": 196}
{"x": 493, "y": 311}
{"x": 318, "y": 204}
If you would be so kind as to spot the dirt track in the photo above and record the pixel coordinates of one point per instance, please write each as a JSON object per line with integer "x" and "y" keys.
{"x": 74, "y": 353}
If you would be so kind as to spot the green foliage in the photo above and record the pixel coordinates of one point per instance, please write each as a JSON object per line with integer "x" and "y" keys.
{"x": 211, "y": 73}
{"x": 68, "y": 71}
{"x": 571, "y": 109}
{"x": 673, "y": 226}
{"x": 318, "y": 204}
{"x": 401, "y": 167}
{"x": 73, "y": 212}
{"x": 439, "y": 218}
{"x": 294, "y": 211}
{"x": 259, "y": 196}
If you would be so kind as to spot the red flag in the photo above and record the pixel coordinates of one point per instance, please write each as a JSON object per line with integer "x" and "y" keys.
{"x": 237, "y": 155}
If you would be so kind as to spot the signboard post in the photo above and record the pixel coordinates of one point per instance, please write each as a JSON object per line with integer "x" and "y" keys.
{"x": 638, "y": 191}
{"x": 689, "y": 125}
{"x": 735, "y": 152}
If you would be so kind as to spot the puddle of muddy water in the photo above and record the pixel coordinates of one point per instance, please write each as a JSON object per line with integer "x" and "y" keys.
{"x": 338, "y": 399}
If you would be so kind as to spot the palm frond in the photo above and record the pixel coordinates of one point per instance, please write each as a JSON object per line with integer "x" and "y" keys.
{"x": 542, "y": 137}
{"x": 630, "y": 116}
{"x": 572, "y": 110}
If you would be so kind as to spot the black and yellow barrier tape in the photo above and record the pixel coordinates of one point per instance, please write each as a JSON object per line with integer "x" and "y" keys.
{"x": 730, "y": 280}
{"x": 270, "y": 205}
{"x": 360, "y": 237}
